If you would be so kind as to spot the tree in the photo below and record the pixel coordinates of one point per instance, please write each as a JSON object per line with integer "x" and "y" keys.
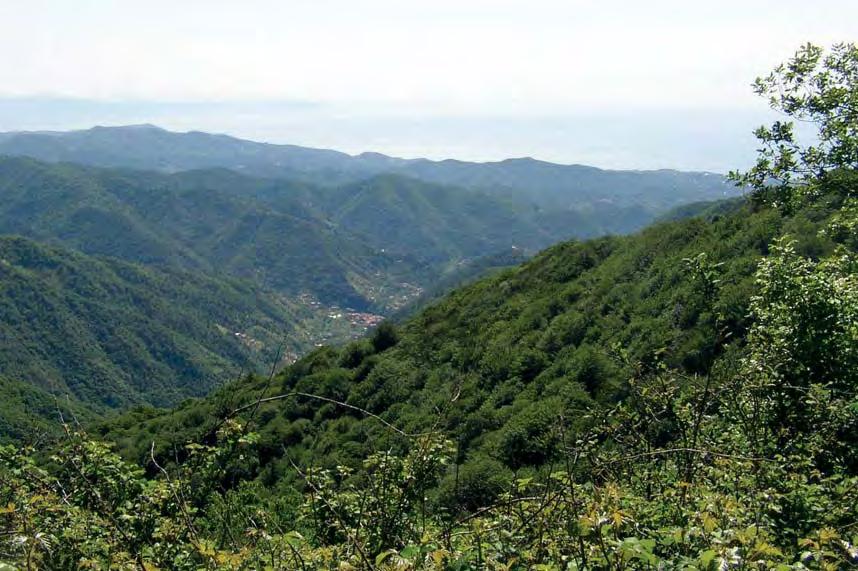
{"x": 820, "y": 89}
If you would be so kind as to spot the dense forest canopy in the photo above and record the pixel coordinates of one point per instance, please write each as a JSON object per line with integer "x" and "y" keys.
{"x": 684, "y": 398}
{"x": 254, "y": 267}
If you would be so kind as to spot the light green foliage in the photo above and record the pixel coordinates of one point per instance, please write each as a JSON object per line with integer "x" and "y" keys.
{"x": 821, "y": 89}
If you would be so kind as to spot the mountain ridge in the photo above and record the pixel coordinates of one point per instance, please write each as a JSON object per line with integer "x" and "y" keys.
{"x": 370, "y": 155}
{"x": 548, "y": 333}
{"x": 133, "y": 146}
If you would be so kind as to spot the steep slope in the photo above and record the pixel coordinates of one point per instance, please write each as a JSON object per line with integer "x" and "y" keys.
{"x": 281, "y": 245}
{"x": 29, "y": 414}
{"x": 68, "y": 204}
{"x": 359, "y": 245}
{"x": 185, "y": 221}
{"x": 494, "y": 363}
{"x": 442, "y": 223}
{"x": 111, "y": 333}
{"x": 707, "y": 208}
{"x": 436, "y": 223}
{"x": 461, "y": 274}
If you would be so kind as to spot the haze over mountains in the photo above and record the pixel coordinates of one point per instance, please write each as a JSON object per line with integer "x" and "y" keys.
{"x": 260, "y": 245}
{"x": 153, "y": 148}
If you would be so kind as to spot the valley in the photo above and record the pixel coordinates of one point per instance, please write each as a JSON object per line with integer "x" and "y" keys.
{"x": 222, "y": 354}
{"x": 326, "y": 259}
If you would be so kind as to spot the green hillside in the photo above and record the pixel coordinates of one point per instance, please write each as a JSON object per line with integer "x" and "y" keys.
{"x": 33, "y": 415}
{"x": 436, "y": 223}
{"x": 591, "y": 389}
{"x": 179, "y": 221}
{"x": 111, "y": 333}
{"x": 514, "y": 348}
{"x": 371, "y": 246}
{"x": 685, "y": 398}
{"x": 353, "y": 246}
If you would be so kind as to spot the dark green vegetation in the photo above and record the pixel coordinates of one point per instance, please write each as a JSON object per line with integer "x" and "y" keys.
{"x": 461, "y": 274}
{"x": 345, "y": 245}
{"x": 437, "y": 224}
{"x": 154, "y": 288}
{"x": 493, "y": 364}
{"x": 707, "y": 208}
{"x": 185, "y": 221}
{"x": 28, "y": 413}
{"x": 111, "y": 333}
{"x": 303, "y": 250}
{"x": 680, "y": 399}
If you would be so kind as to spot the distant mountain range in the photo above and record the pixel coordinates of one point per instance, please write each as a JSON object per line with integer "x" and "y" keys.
{"x": 152, "y": 148}
{"x": 171, "y": 260}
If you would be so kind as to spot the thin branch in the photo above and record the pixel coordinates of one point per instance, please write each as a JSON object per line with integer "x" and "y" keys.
{"x": 687, "y": 450}
{"x": 258, "y": 402}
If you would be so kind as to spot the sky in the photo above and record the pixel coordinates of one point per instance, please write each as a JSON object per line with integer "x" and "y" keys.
{"x": 618, "y": 84}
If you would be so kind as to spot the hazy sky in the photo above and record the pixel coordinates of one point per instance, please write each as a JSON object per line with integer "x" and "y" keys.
{"x": 620, "y": 84}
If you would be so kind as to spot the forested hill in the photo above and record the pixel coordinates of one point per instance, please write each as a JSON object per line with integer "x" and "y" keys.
{"x": 352, "y": 245}
{"x": 110, "y": 333}
{"x": 190, "y": 223}
{"x": 33, "y": 415}
{"x": 601, "y": 376}
{"x": 495, "y": 362}
{"x": 247, "y": 263}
